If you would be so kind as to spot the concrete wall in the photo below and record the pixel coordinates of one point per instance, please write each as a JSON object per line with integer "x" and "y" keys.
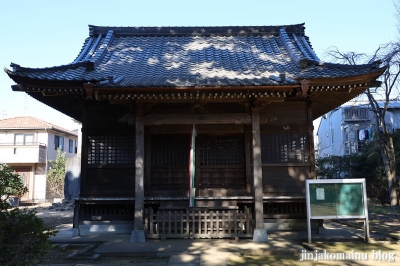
{"x": 393, "y": 117}
{"x": 39, "y": 193}
{"x": 72, "y": 183}
{"x": 330, "y": 137}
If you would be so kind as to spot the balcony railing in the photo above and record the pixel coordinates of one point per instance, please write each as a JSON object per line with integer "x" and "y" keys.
{"x": 32, "y": 152}
{"x": 355, "y": 114}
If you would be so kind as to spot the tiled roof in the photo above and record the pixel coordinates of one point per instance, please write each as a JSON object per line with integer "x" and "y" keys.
{"x": 29, "y": 122}
{"x": 194, "y": 57}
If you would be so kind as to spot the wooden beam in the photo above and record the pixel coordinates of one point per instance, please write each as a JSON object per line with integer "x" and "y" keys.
{"x": 124, "y": 99}
{"x": 203, "y": 119}
{"x": 225, "y": 89}
{"x": 199, "y": 119}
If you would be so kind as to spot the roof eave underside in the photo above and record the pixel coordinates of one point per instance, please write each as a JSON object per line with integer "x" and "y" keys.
{"x": 322, "y": 100}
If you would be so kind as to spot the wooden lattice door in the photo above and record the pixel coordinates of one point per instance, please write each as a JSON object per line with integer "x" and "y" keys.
{"x": 170, "y": 161}
{"x": 221, "y": 161}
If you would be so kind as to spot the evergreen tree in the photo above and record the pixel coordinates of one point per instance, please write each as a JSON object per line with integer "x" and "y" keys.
{"x": 56, "y": 175}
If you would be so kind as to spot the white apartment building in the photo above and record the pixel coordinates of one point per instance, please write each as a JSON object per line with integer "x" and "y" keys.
{"x": 346, "y": 129}
{"x": 28, "y": 144}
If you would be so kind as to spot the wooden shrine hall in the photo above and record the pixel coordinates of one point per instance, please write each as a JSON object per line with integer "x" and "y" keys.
{"x": 194, "y": 131}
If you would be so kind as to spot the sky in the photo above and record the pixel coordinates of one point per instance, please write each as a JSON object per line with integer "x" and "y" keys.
{"x": 44, "y": 33}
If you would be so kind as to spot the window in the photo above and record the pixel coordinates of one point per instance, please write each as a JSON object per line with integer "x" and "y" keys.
{"x": 19, "y": 139}
{"x": 170, "y": 160}
{"x": 28, "y": 139}
{"x": 71, "y": 146}
{"x": 59, "y": 143}
{"x": 221, "y": 161}
{"x": 111, "y": 149}
{"x": 170, "y": 150}
{"x": 23, "y": 139}
{"x": 76, "y": 146}
{"x": 284, "y": 148}
{"x": 221, "y": 150}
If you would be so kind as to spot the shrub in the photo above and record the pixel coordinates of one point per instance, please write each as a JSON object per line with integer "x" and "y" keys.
{"x": 23, "y": 235}
{"x": 10, "y": 185}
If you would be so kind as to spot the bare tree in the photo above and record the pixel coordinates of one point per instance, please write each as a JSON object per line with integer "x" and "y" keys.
{"x": 390, "y": 81}
{"x": 379, "y": 99}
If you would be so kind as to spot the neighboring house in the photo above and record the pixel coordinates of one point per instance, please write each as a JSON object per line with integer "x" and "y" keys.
{"x": 346, "y": 129}
{"x": 214, "y": 120}
{"x": 28, "y": 144}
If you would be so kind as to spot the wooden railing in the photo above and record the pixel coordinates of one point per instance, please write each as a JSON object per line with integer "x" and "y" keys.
{"x": 105, "y": 212}
{"x": 287, "y": 210}
{"x": 213, "y": 222}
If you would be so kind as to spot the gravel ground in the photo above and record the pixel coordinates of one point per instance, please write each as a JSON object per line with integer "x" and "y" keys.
{"x": 59, "y": 254}
{"x": 52, "y": 217}
{"x": 385, "y": 218}
{"x": 382, "y": 219}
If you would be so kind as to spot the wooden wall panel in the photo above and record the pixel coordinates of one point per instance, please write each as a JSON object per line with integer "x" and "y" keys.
{"x": 169, "y": 193}
{"x": 109, "y": 182}
{"x": 207, "y": 192}
{"x": 101, "y": 115}
{"x": 287, "y": 113}
{"x": 222, "y": 192}
{"x": 285, "y": 180}
{"x": 196, "y": 107}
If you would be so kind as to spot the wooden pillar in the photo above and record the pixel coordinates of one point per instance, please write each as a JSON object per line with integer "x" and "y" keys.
{"x": 147, "y": 162}
{"x": 139, "y": 173}
{"x": 311, "y": 142}
{"x": 249, "y": 168}
{"x": 257, "y": 172}
{"x": 260, "y": 233}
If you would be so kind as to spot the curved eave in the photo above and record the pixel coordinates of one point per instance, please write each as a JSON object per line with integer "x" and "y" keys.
{"x": 324, "y": 98}
{"x": 40, "y": 82}
{"x": 372, "y": 75}
{"x": 325, "y": 94}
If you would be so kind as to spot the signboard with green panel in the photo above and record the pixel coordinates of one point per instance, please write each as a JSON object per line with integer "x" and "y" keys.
{"x": 336, "y": 199}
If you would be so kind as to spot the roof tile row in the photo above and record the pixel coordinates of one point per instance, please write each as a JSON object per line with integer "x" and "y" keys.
{"x": 113, "y": 59}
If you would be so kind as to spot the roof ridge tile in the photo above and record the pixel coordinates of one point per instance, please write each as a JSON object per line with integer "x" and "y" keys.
{"x": 195, "y": 30}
